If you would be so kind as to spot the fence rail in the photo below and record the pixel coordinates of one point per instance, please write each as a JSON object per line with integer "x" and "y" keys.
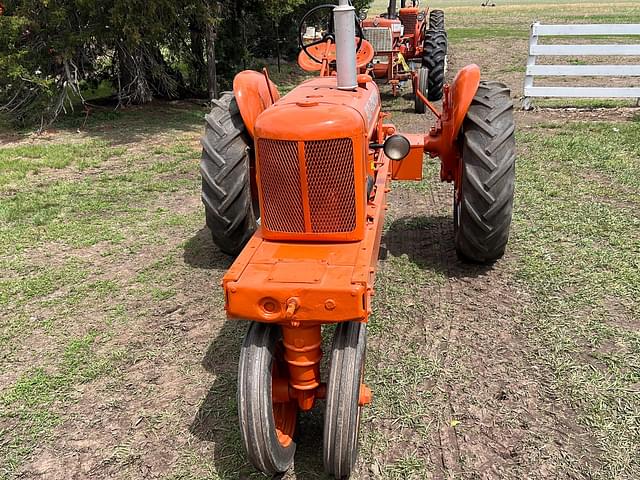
{"x": 620, "y": 70}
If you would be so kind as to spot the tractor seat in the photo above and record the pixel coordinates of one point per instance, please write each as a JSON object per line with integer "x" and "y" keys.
{"x": 363, "y": 57}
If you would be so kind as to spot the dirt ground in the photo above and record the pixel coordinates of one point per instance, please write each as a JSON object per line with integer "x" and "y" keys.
{"x": 462, "y": 387}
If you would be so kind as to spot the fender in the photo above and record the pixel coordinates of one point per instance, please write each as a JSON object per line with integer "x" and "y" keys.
{"x": 442, "y": 140}
{"x": 464, "y": 88}
{"x": 254, "y": 93}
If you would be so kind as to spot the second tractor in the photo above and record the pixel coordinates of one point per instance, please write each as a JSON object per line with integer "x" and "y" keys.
{"x": 410, "y": 44}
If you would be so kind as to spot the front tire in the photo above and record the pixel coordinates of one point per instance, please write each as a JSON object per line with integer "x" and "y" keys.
{"x": 267, "y": 428}
{"x": 423, "y": 87}
{"x": 483, "y": 203}
{"x": 342, "y": 414}
{"x": 434, "y": 59}
{"x": 226, "y": 181}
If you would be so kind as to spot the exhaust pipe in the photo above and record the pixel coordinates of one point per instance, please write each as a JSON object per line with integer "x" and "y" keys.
{"x": 392, "y": 11}
{"x": 345, "y": 25}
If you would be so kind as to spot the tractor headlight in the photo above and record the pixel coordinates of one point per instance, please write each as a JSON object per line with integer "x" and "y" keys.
{"x": 396, "y": 147}
{"x": 420, "y": 17}
{"x": 362, "y": 15}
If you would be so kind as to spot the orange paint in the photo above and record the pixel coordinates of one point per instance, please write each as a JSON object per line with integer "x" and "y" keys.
{"x": 407, "y": 37}
{"x": 313, "y": 259}
{"x": 327, "y": 53}
{"x": 442, "y": 138}
{"x": 311, "y": 179}
{"x": 410, "y": 167}
{"x": 285, "y": 410}
{"x": 303, "y": 353}
{"x": 253, "y": 92}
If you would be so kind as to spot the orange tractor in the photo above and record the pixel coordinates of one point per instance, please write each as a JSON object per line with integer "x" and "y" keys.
{"x": 296, "y": 187}
{"x": 410, "y": 44}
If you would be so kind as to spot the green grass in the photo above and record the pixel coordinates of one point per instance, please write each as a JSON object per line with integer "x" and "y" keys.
{"x": 17, "y": 162}
{"x": 576, "y": 235}
{"x": 81, "y": 212}
{"x": 30, "y": 403}
{"x": 58, "y": 201}
{"x": 381, "y": 5}
{"x": 38, "y": 283}
{"x": 582, "y": 102}
{"x": 476, "y": 33}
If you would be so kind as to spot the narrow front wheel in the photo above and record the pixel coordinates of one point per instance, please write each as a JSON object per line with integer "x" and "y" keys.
{"x": 423, "y": 87}
{"x": 342, "y": 415}
{"x": 267, "y": 428}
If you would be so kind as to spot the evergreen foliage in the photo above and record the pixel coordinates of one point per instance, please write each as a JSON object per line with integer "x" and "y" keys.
{"x": 53, "y": 51}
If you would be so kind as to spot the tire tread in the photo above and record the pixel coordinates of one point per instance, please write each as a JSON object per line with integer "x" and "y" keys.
{"x": 434, "y": 58}
{"x": 341, "y": 425}
{"x": 226, "y": 185}
{"x": 255, "y": 410}
{"x": 488, "y": 179}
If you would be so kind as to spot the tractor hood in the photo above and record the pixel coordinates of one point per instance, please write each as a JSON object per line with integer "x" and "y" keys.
{"x": 317, "y": 110}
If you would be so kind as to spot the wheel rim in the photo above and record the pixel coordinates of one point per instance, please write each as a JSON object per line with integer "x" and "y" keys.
{"x": 456, "y": 210}
{"x": 284, "y": 413}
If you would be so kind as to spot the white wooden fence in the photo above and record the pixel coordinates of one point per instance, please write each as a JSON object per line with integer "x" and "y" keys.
{"x": 536, "y": 50}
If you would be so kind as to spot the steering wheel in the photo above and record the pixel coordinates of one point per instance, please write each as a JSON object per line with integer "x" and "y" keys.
{"x": 327, "y": 34}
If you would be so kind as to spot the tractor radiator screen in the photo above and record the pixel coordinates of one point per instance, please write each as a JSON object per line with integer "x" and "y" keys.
{"x": 320, "y": 186}
{"x": 332, "y": 197}
{"x": 280, "y": 182}
{"x": 380, "y": 38}
{"x": 409, "y": 21}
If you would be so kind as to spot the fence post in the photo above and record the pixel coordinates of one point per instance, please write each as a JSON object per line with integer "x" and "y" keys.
{"x": 531, "y": 60}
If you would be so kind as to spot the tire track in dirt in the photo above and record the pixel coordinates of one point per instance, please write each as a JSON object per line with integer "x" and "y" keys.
{"x": 497, "y": 413}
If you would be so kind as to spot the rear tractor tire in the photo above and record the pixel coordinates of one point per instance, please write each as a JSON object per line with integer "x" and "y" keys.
{"x": 226, "y": 181}
{"x": 435, "y": 60}
{"x": 267, "y": 428}
{"x": 436, "y": 20}
{"x": 423, "y": 86}
{"x": 484, "y": 201}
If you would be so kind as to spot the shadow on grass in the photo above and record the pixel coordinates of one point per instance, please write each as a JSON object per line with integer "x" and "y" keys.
{"x": 216, "y": 421}
{"x": 130, "y": 125}
{"x": 429, "y": 242}
{"x": 200, "y": 252}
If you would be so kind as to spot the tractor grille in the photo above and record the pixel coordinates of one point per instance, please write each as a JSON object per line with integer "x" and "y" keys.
{"x": 328, "y": 195}
{"x": 409, "y": 20}
{"x": 331, "y": 185}
{"x": 280, "y": 181}
{"x": 380, "y": 38}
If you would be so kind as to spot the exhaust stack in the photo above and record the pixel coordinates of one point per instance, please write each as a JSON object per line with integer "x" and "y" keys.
{"x": 392, "y": 11}
{"x": 344, "y": 21}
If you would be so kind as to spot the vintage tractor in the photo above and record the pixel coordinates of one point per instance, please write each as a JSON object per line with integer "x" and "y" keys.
{"x": 297, "y": 187}
{"x": 408, "y": 47}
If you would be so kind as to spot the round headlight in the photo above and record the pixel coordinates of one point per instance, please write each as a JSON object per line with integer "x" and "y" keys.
{"x": 420, "y": 17}
{"x": 396, "y": 147}
{"x": 362, "y": 15}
